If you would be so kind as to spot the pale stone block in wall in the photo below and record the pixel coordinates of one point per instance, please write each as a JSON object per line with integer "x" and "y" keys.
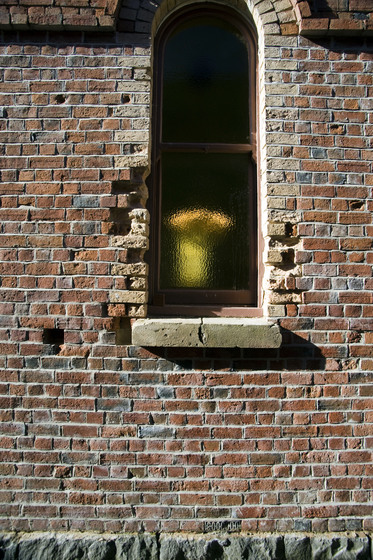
{"x": 128, "y": 296}
{"x": 131, "y": 136}
{"x": 278, "y": 298}
{"x": 279, "y": 216}
{"x": 140, "y": 124}
{"x": 138, "y": 283}
{"x": 142, "y": 51}
{"x": 281, "y": 41}
{"x": 137, "y": 311}
{"x": 132, "y": 61}
{"x": 131, "y": 111}
{"x": 140, "y": 269}
{"x": 207, "y": 332}
{"x": 276, "y": 273}
{"x": 129, "y": 87}
{"x": 282, "y": 138}
{"x": 278, "y": 230}
{"x": 276, "y": 202}
{"x": 138, "y": 228}
{"x": 130, "y": 241}
{"x": 269, "y": 17}
{"x": 263, "y": 6}
{"x": 274, "y": 176}
{"x": 272, "y": 52}
{"x": 141, "y": 98}
{"x": 282, "y": 89}
{"x": 142, "y": 74}
{"x": 274, "y": 257}
{"x": 274, "y": 151}
{"x": 130, "y": 161}
{"x": 241, "y": 333}
{"x": 276, "y": 310}
{"x": 274, "y": 126}
{"x": 283, "y": 190}
{"x": 286, "y": 16}
{"x": 271, "y": 29}
{"x": 282, "y": 114}
{"x": 170, "y": 332}
{"x": 285, "y": 163}
{"x": 140, "y": 215}
{"x": 275, "y": 100}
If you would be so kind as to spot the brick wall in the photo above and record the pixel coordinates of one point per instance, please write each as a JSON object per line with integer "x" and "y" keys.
{"x": 100, "y": 435}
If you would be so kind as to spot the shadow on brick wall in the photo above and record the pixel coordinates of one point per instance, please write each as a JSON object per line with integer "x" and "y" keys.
{"x": 295, "y": 354}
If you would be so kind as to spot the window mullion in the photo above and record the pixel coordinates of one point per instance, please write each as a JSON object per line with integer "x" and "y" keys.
{"x": 207, "y": 147}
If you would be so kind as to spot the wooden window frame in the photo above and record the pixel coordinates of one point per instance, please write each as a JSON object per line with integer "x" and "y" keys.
{"x": 195, "y": 302}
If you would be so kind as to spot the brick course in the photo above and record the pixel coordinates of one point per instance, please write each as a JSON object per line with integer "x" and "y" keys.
{"x": 100, "y": 435}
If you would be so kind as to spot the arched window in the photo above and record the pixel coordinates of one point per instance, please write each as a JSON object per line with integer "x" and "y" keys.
{"x": 203, "y": 184}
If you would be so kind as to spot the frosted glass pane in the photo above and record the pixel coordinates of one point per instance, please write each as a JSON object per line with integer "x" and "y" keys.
{"x": 205, "y": 240}
{"x": 205, "y": 84}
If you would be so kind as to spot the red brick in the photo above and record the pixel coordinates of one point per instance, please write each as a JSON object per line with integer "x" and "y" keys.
{"x": 254, "y": 430}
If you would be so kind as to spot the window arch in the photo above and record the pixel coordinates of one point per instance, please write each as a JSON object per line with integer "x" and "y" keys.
{"x": 203, "y": 258}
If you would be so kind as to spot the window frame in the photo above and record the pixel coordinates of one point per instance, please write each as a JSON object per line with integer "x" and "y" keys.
{"x": 195, "y": 302}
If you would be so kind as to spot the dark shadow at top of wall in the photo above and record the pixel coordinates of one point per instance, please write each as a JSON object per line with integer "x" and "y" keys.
{"x": 345, "y": 44}
{"x": 61, "y": 38}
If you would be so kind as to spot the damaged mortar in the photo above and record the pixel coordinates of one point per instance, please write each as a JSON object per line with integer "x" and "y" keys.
{"x": 282, "y": 267}
{"x": 130, "y": 225}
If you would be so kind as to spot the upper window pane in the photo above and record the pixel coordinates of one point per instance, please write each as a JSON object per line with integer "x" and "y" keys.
{"x": 205, "y": 83}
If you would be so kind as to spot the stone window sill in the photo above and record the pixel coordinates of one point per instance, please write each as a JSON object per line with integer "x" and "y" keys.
{"x": 217, "y": 332}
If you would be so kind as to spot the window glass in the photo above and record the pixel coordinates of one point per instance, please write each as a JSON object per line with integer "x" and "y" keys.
{"x": 205, "y": 84}
{"x": 203, "y": 183}
{"x": 205, "y": 239}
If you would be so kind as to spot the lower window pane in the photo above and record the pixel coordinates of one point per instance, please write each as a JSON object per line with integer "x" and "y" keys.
{"x": 205, "y": 221}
